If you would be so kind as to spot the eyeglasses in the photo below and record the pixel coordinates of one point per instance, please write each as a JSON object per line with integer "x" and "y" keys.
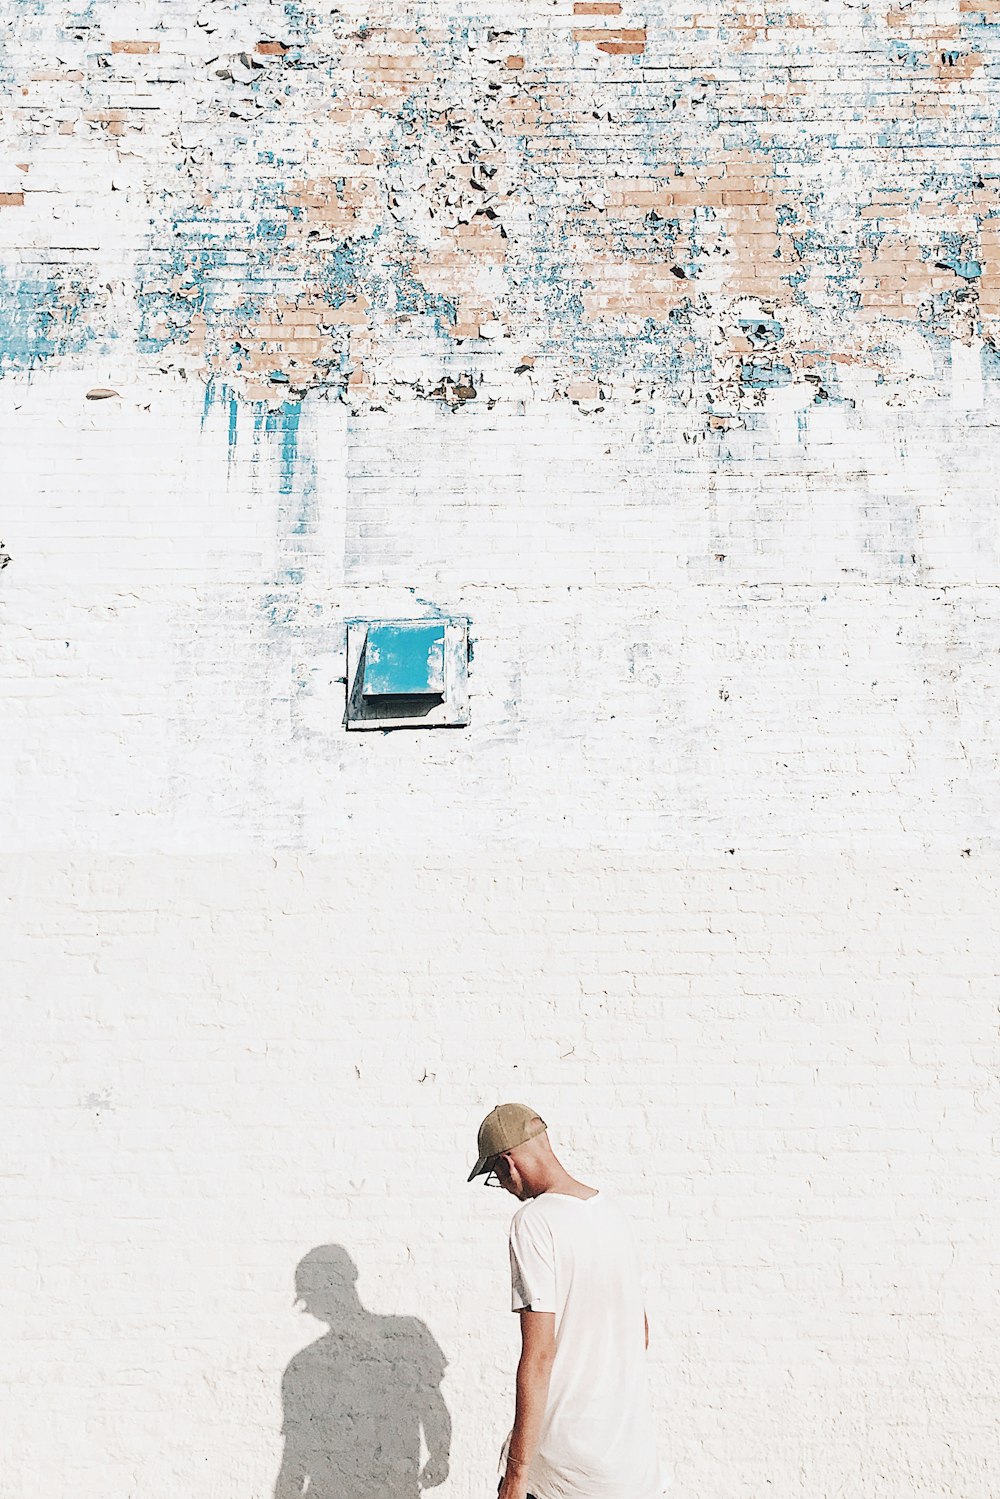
{"x": 491, "y": 1179}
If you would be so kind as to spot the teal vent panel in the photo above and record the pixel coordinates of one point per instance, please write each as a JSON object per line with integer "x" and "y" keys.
{"x": 404, "y": 660}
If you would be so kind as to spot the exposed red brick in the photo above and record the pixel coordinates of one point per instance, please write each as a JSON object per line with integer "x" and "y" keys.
{"x": 609, "y": 34}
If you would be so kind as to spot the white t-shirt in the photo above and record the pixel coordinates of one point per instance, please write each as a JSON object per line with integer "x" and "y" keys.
{"x": 576, "y": 1257}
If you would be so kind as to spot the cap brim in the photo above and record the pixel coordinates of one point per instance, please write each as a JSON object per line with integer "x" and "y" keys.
{"x": 481, "y": 1167}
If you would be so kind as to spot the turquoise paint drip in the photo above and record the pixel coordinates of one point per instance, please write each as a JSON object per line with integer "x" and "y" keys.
{"x": 285, "y": 423}
{"x": 296, "y": 487}
{"x": 217, "y": 394}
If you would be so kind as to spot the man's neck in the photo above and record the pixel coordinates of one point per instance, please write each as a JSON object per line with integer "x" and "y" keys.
{"x": 559, "y": 1181}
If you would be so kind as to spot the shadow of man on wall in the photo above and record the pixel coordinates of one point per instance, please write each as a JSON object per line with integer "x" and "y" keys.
{"x": 357, "y": 1401}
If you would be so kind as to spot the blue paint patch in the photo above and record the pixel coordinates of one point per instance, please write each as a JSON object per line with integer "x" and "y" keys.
{"x": 342, "y": 269}
{"x": 268, "y": 229}
{"x": 762, "y": 331}
{"x": 967, "y": 269}
{"x": 170, "y": 291}
{"x": 760, "y": 376}
{"x": 40, "y": 319}
{"x": 404, "y": 660}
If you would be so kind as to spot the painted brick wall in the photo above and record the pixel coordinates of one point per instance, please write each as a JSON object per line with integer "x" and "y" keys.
{"x": 662, "y": 345}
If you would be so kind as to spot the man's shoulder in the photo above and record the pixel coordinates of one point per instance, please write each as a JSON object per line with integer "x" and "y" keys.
{"x": 553, "y": 1207}
{"x": 532, "y": 1216}
{"x": 524, "y": 1214}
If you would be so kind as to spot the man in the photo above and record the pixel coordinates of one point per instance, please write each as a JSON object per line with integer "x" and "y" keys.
{"x": 583, "y": 1426}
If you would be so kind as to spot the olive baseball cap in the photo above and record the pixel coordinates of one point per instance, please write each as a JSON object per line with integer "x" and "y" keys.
{"x": 505, "y": 1128}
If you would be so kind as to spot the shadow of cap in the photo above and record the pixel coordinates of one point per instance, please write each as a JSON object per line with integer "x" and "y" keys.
{"x": 326, "y": 1268}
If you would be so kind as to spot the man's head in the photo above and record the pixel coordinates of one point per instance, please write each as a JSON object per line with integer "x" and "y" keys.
{"x": 514, "y": 1146}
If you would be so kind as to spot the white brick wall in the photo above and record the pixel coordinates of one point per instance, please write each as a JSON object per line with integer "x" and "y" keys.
{"x": 787, "y": 1063}
{"x": 711, "y": 878}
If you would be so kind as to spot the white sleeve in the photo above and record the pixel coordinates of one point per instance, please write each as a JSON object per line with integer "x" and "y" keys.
{"x": 532, "y": 1266}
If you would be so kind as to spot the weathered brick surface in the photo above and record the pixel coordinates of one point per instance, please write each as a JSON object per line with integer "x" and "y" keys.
{"x": 716, "y": 205}
{"x": 661, "y": 345}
